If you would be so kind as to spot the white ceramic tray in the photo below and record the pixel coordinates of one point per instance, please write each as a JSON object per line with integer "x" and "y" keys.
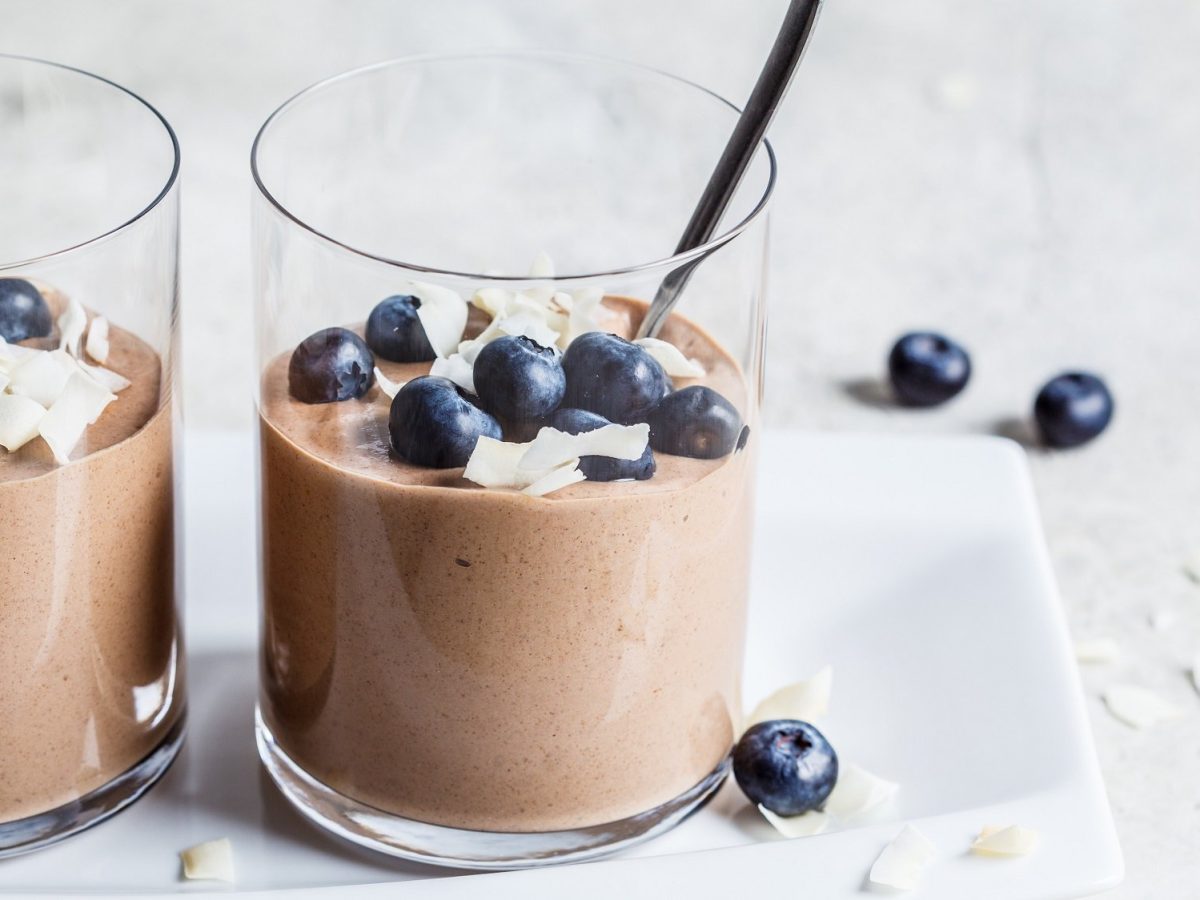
{"x": 915, "y": 566}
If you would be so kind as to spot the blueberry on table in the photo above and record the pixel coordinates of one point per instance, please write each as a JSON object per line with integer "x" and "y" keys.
{"x": 394, "y": 331}
{"x": 602, "y": 468}
{"x": 434, "y": 424}
{"x": 696, "y": 422}
{"x": 1072, "y": 409}
{"x": 786, "y": 766}
{"x": 610, "y": 376}
{"x": 926, "y": 368}
{"x": 23, "y": 311}
{"x": 518, "y": 379}
{"x": 333, "y": 364}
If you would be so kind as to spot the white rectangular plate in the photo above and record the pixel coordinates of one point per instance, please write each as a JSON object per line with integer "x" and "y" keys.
{"x": 914, "y": 566}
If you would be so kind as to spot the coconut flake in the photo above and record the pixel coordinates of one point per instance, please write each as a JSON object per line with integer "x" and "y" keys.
{"x": 671, "y": 358}
{"x": 493, "y": 301}
{"x": 96, "y": 344}
{"x": 552, "y": 448}
{"x": 41, "y": 377}
{"x": 559, "y": 478}
{"x": 1097, "y": 650}
{"x": 531, "y": 325}
{"x": 858, "y": 791}
{"x": 210, "y": 861}
{"x": 457, "y": 369}
{"x": 105, "y": 377}
{"x": 70, "y": 327}
{"x": 804, "y": 700}
{"x": 582, "y": 317}
{"x": 495, "y": 464}
{"x": 389, "y": 387}
{"x": 19, "y": 420}
{"x": 542, "y": 266}
{"x": 803, "y": 825}
{"x": 903, "y": 861}
{"x": 12, "y": 355}
{"x": 1139, "y": 707}
{"x": 443, "y": 315}
{"x": 1013, "y": 840}
{"x": 80, "y": 405}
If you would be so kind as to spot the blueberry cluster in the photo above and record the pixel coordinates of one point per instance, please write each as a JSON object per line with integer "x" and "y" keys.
{"x": 520, "y": 386}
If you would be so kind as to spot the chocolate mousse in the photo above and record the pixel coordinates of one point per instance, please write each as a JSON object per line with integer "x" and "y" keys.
{"x": 512, "y": 657}
{"x": 91, "y": 656}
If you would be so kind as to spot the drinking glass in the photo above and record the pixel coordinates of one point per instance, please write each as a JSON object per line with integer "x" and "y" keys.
{"x": 91, "y": 673}
{"x": 470, "y": 675}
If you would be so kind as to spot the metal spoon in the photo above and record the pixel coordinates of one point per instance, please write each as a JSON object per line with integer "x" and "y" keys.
{"x": 735, "y": 158}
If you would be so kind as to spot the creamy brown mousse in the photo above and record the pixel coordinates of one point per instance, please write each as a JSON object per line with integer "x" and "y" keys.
{"x": 488, "y": 660}
{"x": 88, "y": 634}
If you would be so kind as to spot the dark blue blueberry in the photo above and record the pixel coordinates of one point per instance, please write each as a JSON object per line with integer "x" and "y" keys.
{"x": 602, "y": 468}
{"x": 1072, "y": 409}
{"x": 23, "y": 311}
{"x": 696, "y": 422}
{"x": 612, "y": 377}
{"x": 518, "y": 379}
{"x": 927, "y": 368}
{"x": 434, "y": 424}
{"x": 785, "y": 765}
{"x": 333, "y": 364}
{"x": 395, "y": 332}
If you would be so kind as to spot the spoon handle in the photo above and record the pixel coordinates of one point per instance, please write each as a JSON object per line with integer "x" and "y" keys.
{"x": 752, "y": 124}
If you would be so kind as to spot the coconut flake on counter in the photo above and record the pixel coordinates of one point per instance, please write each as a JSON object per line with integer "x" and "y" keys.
{"x": 443, "y": 315}
{"x": 804, "y": 700}
{"x": 1139, "y": 707}
{"x": 552, "y": 448}
{"x": 79, "y": 406}
{"x": 1097, "y": 650}
{"x": 555, "y": 480}
{"x": 671, "y": 358}
{"x": 70, "y": 327}
{"x": 999, "y": 840}
{"x": 803, "y": 825}
{"x": 19, "y": 420}
{"x": 903, "y": 861}
{"x": 390, "y": 388}
{"x": 210, "y": 861}
{"x": 857, "y": 791}
{"x": 96, "y": 343}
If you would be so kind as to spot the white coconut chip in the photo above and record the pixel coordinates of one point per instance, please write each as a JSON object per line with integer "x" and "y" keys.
{"x": 542, "y": 266}
{"x": 903, "y": 861}
{"x": 96, "y": 344}
{"x": 19, "y": 420}
{"x": 107, "y": 378}
{"x": 528, "y": 324}
{"x": 81, "y": 403}
{"x": 1139, "y": 707}
{"x": 555, "y": 480}
{"x": 582, "y": 318}
{"x": 553, "y": 448}
{"x": 1097, "y": 650}
{"x": 803, "y": 825}
{"x": 457, "y": 368}
{"x": 857, "y": 791}
{"x": 443, "y": 315}
{"x": 210, "y": 861}
{"x": 41, "y": 377}
{"x": 390, "y": 388}
{"x": 1011, "y": 840}
{"x": 70, "y": 327}
{"x": 12, "y": 355}
{"x": 804, "y": 700}
{"x": 495, "y": 464}
{"x": 671, "y": 358}
{"x": 493, "y": 301}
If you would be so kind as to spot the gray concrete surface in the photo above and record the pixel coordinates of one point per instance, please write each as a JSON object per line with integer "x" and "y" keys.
{"x": 1022, "y": 175}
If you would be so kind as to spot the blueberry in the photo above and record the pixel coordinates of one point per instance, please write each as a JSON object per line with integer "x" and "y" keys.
{"x": 927, "y": 368}
{"x": 696, "y": 422}
{"x": 1072, "y": 409}
{"x": 333, "y": 364}
{"x": 612, "y": 377}
{"x": 395, "y": 332}
{"x": 23, "y": 311}
{"x": 785, "y": 765}
{"x": 518, "y": 379}
{"x": 434, "y": 424}
{"x": 602, "y": 468}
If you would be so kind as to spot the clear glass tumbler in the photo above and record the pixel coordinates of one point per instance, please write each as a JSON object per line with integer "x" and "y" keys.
{"x": 91, "y": 703}
{"x": 470, "y": 656}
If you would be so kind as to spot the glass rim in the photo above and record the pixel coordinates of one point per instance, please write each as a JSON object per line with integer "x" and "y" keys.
{"x": 172, "y": 177}
{"x": 667, "y": 263}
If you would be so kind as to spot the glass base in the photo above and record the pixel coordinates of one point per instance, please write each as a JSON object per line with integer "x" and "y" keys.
{"x": 43, "y": 829}
{"x": 461, "y": 848}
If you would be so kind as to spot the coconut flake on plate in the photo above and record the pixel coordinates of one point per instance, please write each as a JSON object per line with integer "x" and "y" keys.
{"x": 19, "y": 420}
{"x": 1097, "y": 650}
{"x": 804, "y": 700}
{"x": 41, "y": 377}
{"x": 457, "y": 368}
{"x": 857, "y": 791}
{"x": 210, "y": 861}
{"x": 390, "y": 388}
{"x": 803, "y": 825}
{"x": 903, "y": 861}
{"x": 81, "y": 403}
{"x": 70, "y": 327}
{"x": 555, "y": 480}
{"x": 1139, "y": 707}
{"x": 1011, "y": 840}
{"x": 443, "y": 315}
{"x": 553, "y": 448}
{"x": 671, "y": 358}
